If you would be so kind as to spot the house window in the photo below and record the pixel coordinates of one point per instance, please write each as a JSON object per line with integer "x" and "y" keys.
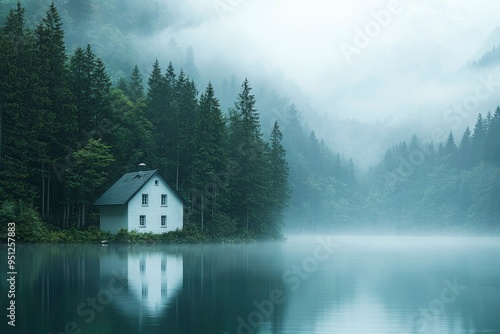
{"x": 163, "y": 221}
{"x": 142, "y": 221}
{"x": 163, "y": 199}
{"x": 145, "y": 199}
{"x": 156, "y": 182}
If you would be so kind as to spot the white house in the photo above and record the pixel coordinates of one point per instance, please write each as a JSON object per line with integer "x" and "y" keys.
{"x": 142, "y": 201}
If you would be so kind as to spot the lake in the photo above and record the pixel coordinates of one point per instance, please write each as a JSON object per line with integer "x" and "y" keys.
{"x": 314, "y": 284}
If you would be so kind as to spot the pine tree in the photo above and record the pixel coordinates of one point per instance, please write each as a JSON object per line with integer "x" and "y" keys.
{"x": 12, "y": 169}
{"x": 136, "y": 87}
{"x": 24, "y": 114}
{"x": 492, "y": 140}
{"x": 450, "y": 150}
{"x": 477, "y": 141}
{"x": 487, "y": 121}
{"x": 14, "y": 28}
{"x": 183, "y": 117}
{"x": 464, "y": 150}
{"x": 155, "y": 85}
{"x": 210, "y": 159}
{"x": 294, "y": 130}
{"x": 91, "y": 87}
{"x": 81, "y": 85}
{"x": 278, "y": 190}
{"x": 124, "y": 86}
{"x": 101, "y": 90}
{"x": 247, "y": 186}
{"x": 156, "y": 113}
{"x": 170, "y": 80}
{"x": 314, "y": 153}
{"x": 53, "y": 70}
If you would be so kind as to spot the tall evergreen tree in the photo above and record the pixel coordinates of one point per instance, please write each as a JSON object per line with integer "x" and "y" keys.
{"x": 155, "y": 112}
{"x": 170, "y": 80}
{"x": 91, "y": 87}
{"x": 477, "y": 141}
{"x": 100, "y": 93}
{"x": 136, "y": 86}
{"x": 81, "y": 84}
{"x": 53, "y": 69}
{"x": 450, "y": 150}
{"x": 464, "y": 150}
{"x": 278, "y": 190}
{"x": 487, "y": 121}
{"x": 24, "y": 113}
{"x": 314, "y": 153}
{"x": 184, "y": 114}
{"x": 492, "y": 140}
{"x": 210, "y": 159}
{"x": 14, "y": 28}
{"x": 13, "y": 152}
{"x": 247, "y": 186}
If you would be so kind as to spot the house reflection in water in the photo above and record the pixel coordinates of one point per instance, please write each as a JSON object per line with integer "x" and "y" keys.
{"x": 152, "y": 279}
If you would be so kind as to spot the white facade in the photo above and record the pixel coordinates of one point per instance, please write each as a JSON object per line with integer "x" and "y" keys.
{"x": 152, "y": 213}
{"x": 114, "y": 218}
{"x": 153, "y": 210}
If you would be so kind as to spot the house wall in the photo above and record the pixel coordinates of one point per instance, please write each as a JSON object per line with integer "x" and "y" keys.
{"x": 113, "y": 218}
{"x": 153, "y": 212}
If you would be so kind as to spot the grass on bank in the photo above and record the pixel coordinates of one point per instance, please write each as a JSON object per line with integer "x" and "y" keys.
{"x": 30, "y": 228}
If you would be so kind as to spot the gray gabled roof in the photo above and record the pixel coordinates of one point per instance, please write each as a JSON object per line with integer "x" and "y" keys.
{"x": 127, "y": 186}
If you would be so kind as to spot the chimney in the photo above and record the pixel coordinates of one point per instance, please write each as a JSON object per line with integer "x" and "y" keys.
{"x": 142, "y": 168}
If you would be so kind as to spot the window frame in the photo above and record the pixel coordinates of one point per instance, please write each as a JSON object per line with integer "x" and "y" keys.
{"x": 164, "y": 203}
{"x": 142, "y": 221}
{"x": 145, "y": 199}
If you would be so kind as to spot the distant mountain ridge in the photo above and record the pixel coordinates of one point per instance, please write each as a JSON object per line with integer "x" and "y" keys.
{"x": 489, "y": 52}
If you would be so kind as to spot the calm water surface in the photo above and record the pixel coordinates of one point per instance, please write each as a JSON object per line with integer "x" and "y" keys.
{"x": 305, "y": 285}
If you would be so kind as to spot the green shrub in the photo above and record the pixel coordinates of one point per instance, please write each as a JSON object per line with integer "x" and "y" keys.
{"x": 29, "y": 225}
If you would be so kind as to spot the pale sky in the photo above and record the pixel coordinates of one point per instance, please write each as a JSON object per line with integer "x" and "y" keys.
{"x": 423, "y": 41}
{"x": 403, "y": 76}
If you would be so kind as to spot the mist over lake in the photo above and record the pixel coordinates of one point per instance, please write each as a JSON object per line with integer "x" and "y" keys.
{"x": 316, "y": 284}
